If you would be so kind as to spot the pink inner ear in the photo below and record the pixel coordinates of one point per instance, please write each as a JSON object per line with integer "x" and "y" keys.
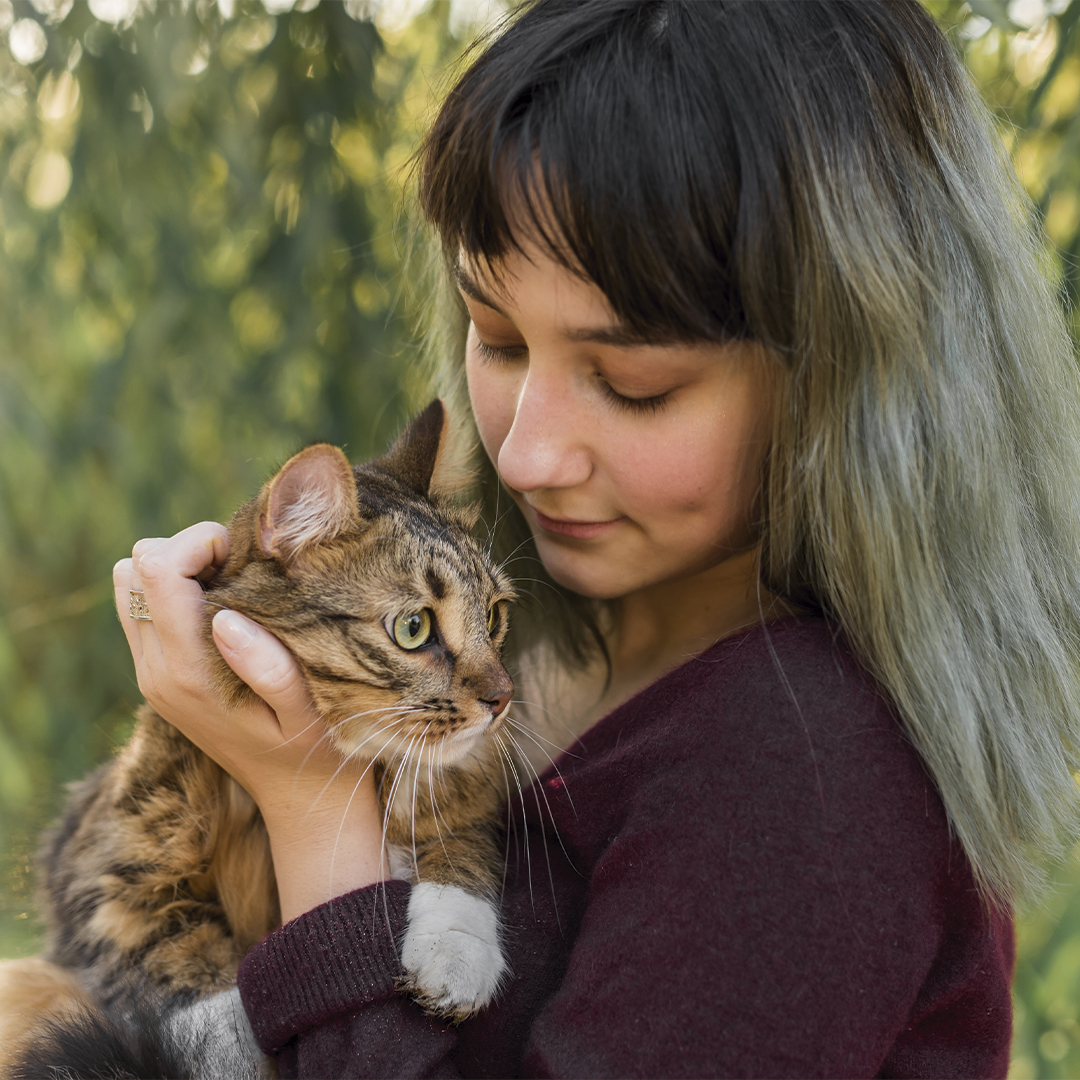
{"x": 312, "y": 500}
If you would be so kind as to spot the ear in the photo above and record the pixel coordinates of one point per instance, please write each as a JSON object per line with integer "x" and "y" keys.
{"x": 420, "y": 450}
{"x": 311, "y": 500}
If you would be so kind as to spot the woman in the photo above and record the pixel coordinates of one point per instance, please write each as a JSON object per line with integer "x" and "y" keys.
{"x": 755, "y": 338}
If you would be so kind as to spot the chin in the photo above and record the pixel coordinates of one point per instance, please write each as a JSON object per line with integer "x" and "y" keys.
{"x": 595, "y": 587}
{"x": 590, "y": 573}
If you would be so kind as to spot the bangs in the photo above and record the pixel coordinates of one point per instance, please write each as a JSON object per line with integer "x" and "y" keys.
{"x": 576, "y": 130}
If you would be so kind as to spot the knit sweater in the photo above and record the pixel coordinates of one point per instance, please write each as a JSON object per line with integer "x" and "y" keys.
{"x": 742, "y": 871}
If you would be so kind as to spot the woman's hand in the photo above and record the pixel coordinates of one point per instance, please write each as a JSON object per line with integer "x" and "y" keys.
{"x": 322, "y": 814}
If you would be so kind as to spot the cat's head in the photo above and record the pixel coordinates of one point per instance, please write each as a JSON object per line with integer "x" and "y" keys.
{"x": 376, "y": 585}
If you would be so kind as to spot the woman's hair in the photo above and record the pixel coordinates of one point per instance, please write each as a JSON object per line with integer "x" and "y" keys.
{"x": 820, "y": 177}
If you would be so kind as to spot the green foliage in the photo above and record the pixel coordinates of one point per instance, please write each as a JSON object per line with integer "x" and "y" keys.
{"x": 200, "y": 270}
{"x": 1025, "y": 56}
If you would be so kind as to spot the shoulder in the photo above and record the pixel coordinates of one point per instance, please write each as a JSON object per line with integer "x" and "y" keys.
{"x": 801, "y": 665}
{"x": 790, "y": 693}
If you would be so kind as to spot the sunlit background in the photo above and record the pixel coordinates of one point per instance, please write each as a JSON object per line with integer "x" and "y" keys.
{"x": 203, "y": 231}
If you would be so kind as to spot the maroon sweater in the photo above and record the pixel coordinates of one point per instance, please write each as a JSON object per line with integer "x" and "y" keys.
{"x": 754, "y": 878}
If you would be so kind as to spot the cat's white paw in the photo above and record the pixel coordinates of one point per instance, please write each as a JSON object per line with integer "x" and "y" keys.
{"x": 451, "y": 950}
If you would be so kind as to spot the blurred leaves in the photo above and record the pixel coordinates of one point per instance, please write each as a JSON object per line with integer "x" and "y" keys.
{"x": 201, "y": 248}
{"x": 1025, "y": 56}
{"x": 201, "y": 258}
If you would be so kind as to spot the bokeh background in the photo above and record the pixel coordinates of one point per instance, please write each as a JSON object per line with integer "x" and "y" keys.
{"x": 204, "y": 230}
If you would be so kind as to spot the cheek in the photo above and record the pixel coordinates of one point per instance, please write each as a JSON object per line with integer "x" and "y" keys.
{"x": 708, "y": 466}
{"x": 494, "y": 400}
{"x": 667, "y": 485}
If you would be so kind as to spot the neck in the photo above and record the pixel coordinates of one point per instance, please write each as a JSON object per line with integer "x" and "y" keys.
{"x": 659, "y": 628}
{"x": 682, "y": 618}
{"x": 655, "y": 631}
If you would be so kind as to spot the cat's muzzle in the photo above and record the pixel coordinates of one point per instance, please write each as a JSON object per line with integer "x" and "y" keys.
{"x": 139, "y": 609}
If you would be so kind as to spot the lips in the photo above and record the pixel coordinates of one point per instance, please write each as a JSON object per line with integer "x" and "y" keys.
{"x": 575, "y": 530}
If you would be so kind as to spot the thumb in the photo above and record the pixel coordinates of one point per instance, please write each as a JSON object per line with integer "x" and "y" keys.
{"x": 264, "y": 663}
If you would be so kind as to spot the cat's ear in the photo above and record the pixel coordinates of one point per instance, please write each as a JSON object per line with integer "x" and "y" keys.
{"x": 420, "y": 457}
{"x": 311, "y": 500}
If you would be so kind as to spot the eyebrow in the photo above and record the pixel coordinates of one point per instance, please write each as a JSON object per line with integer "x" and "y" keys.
{"x": 617, "y": 335}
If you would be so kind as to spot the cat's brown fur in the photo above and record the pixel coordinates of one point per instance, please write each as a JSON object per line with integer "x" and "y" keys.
{"x": 159, "y": 877}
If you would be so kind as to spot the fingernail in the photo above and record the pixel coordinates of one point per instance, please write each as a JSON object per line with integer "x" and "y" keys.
{"x": 234, "y": 630}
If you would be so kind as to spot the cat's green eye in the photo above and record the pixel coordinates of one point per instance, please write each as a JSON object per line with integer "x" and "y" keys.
{"x": 412, "y": 631}
{"x": 493, "y": 620}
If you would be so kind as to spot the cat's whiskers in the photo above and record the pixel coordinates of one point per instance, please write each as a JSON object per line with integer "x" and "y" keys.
{"x": 498, "y": 518}
{"x": 401, "y": 710}
{"x": 536, "y": 775}
{"x": 324, "y": 737}
{"x": 344, "y": 816}
{"x": 495, "y": 524}
{"x": 416, "y": 780}
{"x": 318, "y": 719}
{"x": 534, "y": 787}
{"x": 436, "y": 813}
{"x": 510, "y": 825}
{"x": 492, "y": 530}
{"x": 360, "y": 778}
{"x": 535, "y": 581}
{"x": 542, "y": 788}
{"x": 382, "y": 849}
{"x": 399, "y": 773}
{"x": 521, "y": 794}
{"x": 354, "y": 753}
{"x": 536, "y": 737}
{"x": 524, "y": 543}
{"x": 371, "y": 712}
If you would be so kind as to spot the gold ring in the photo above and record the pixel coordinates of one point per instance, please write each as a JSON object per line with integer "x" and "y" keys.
{"x": 139, "y": 608}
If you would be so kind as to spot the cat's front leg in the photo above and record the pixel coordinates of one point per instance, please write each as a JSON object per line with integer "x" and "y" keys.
{"x": 216, "y": 1041}
{"x": 451, "y": 951}
{"x": 446, "y": 841}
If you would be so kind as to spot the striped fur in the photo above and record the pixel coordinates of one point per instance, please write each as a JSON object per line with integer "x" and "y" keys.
{"x": 159, "y": 879}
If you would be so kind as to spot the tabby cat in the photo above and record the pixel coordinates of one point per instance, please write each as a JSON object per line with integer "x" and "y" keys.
{"x": 158, "y": 879}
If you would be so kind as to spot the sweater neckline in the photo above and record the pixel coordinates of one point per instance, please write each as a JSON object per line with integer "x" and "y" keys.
{"x": 596, "y": 735}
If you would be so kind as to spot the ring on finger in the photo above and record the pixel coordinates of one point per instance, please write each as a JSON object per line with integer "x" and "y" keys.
{"x": 139, "y": 609}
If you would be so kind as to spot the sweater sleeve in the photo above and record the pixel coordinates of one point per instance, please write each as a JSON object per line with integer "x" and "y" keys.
{"x": 320, "y": 993}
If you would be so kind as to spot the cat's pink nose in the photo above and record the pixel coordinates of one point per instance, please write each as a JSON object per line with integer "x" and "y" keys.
{"x": 498, "y": 694}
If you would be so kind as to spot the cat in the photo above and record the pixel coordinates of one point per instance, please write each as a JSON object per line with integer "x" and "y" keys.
{"x": 159, "y": 879}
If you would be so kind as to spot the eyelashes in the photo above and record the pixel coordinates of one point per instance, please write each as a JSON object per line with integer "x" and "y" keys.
{"x": 499, "y": 354}
{"x": 647, "y": 406}
{"x": 507, "y": 354}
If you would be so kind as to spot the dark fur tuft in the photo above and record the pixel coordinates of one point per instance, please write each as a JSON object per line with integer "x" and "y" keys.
{"x": 132, "y": 1046}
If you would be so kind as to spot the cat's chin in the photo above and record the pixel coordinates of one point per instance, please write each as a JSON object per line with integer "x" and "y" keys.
{"x": 449, "y": 749}
{"x": 463, "y": 743}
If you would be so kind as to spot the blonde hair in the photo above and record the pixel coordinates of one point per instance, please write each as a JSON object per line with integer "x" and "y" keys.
{"x": 822, "y": 178}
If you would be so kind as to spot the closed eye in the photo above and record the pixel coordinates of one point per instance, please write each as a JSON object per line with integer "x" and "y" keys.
{"x": 643, "y": 405}
{"x": 500, "y": 354}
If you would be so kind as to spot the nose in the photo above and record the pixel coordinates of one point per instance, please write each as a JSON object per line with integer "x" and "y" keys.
{"x": 547, "y": 444}
{"x": 497, "y": 692}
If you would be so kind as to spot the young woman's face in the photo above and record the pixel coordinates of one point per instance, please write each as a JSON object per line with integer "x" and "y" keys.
{"x": 635, "y": 463}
